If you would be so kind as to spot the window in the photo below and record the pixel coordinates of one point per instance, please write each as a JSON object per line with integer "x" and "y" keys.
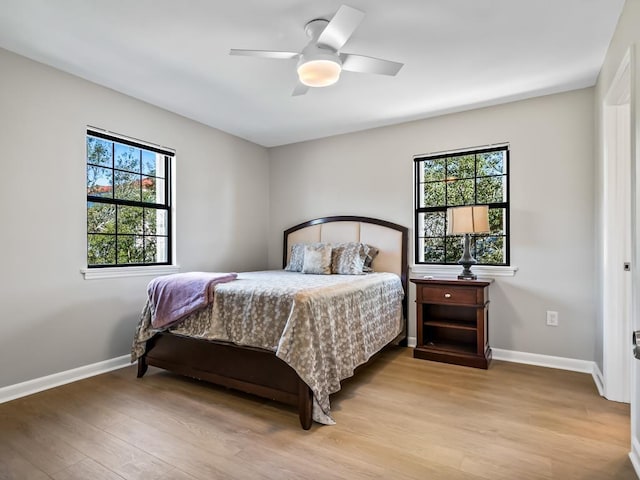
{"x": 474, "y": 177}
{"x": 128, "y": 202}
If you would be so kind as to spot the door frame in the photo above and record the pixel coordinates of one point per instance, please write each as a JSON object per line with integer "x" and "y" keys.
{"x": 617, "y": 292}
{"x": 634, "y": 110}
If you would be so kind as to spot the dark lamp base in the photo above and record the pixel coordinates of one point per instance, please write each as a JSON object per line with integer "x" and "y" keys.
{"x": 466, "y": 261}
{"x": 467, "y": 277}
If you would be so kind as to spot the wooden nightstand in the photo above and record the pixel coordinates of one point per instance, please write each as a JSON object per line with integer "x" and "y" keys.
{"x": 453, "y": 321}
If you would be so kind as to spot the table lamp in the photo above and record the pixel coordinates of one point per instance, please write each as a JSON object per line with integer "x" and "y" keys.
{"x": 467, "y": 220}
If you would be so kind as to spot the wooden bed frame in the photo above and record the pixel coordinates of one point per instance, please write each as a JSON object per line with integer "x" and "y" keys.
{"x": 261, "y": 372}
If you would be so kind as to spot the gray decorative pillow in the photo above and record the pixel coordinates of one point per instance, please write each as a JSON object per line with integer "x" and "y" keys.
{"x": 348, "y": 258}
{"x": 296, "y": 258}
{"x": 370, "y": 254}
{"x": 317, "y": 259}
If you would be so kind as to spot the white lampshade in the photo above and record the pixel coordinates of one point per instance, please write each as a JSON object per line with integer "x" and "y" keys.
{"x": 468, "y": 219}
{"x": 319, "y": 73}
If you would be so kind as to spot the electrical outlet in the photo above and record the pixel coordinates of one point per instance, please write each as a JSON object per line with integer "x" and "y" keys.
{"x": 552, "y": 318}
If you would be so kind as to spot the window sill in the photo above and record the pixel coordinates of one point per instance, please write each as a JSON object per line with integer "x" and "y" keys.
{"x": 118, "y": 272}
{"x": 454, "y": 270}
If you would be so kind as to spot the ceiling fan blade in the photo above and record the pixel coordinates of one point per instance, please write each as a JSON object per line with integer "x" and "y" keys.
{"x": 264, "y": 54}
{"x": 341, "y": 27}
{"x": 300, "y": 89}
{"x": 364, "y": 64}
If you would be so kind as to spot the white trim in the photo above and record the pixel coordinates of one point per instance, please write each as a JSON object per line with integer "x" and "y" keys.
{"x": 562, "y": 363}
{"x": 619, "y": 93}
{"x": 118, "y": 272}
{"x": 36, "y": 385}
{"x": 458, "y": 150}
{"x": 598, "y": 379}
{"x": 634, "y": 456}
{"x": 617, "y": 234}
{"x": 453, "y": 270}
{"x": 634, "y": 154}
{"x": 171, "y": 151}
{"x": 412, "y": 342}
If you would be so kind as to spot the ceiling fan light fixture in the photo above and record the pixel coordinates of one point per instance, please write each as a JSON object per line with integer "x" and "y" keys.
{"x": 319, "y": 73}
{"x": 321, "y": 60}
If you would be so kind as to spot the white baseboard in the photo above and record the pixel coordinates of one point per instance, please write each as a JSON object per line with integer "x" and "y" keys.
{"x": 634, "y": 456}
{"x": 562, "y": 363}
{"x": 598, "y": 378}
{"x": 36, "y": 385}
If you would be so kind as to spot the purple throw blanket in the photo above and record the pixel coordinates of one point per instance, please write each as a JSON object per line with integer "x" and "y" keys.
{"x": 173, "y": 297}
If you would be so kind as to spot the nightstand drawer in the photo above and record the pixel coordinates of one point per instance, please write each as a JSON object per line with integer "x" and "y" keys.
{"x": 448, "y": 295}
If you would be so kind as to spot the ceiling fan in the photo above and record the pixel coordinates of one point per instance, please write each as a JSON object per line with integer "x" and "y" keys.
{"x": 320, "y": 62}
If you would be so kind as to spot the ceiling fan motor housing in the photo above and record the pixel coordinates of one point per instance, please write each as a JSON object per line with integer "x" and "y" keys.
{"x": 314, "y": 28}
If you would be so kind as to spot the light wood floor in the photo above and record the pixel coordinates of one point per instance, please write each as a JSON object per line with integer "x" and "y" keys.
{"x": 399, "y": 418}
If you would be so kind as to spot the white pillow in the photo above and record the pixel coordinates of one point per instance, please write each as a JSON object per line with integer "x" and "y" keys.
{"x": 317, "y": 259}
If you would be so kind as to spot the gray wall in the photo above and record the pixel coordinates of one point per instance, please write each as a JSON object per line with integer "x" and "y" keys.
{"x": 551, "y": 174}
{"x": 52, "y": 319}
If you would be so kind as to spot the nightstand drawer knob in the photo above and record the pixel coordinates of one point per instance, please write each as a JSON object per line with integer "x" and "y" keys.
{"x": 447, "y": 295}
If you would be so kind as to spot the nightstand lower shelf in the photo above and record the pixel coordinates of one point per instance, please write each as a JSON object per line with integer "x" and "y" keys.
{"x": 453, "y": 354}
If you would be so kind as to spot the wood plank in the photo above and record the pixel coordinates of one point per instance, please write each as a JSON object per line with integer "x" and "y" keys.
{"x": 87, "y": 469}
{"x": 13, "y": 465}
{"x": 36, "y": 445}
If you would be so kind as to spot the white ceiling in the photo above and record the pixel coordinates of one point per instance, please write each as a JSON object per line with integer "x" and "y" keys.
{"x": 458, "y": 54}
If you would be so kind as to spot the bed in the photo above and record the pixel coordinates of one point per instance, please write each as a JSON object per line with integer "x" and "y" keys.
{"x": 268, "y": 368}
